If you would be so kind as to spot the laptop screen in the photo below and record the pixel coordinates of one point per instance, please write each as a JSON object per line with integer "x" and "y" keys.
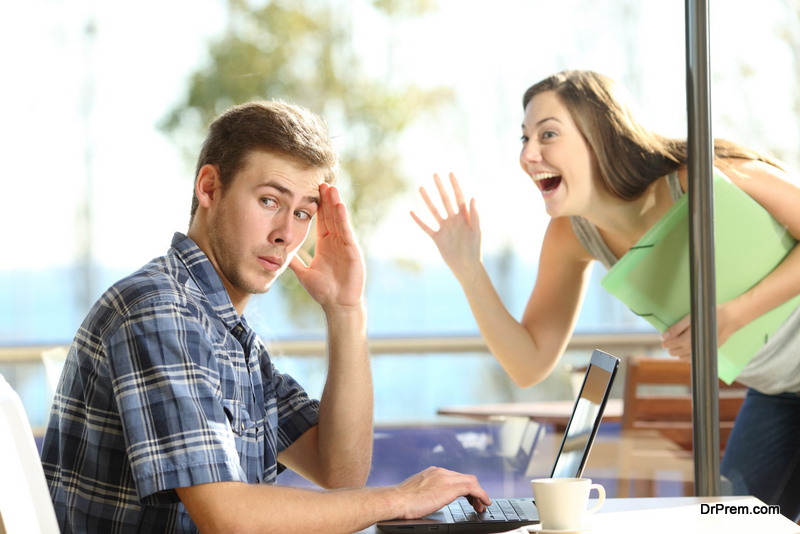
{"x": 586, "y": 416}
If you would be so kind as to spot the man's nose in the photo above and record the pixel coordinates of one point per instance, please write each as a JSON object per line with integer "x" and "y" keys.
{"x": 283, "y": 228}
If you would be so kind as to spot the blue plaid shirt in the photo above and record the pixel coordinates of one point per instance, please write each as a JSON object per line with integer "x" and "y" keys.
{"x": 165, "y": 386}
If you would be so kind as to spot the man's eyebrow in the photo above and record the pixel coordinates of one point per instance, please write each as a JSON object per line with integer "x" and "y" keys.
{"x": 287, "y": 192}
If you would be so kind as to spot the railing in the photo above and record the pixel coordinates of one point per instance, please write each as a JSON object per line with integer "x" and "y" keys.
{"x": 619, "y": 344}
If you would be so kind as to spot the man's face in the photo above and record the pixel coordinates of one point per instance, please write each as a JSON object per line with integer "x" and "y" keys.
{"x": 260, "y": 221}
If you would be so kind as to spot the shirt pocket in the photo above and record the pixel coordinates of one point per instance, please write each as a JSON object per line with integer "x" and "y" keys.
{"x": 238, "y": 416}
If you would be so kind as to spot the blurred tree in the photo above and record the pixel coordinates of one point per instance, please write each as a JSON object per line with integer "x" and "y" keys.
{"x": 301, "y": 51}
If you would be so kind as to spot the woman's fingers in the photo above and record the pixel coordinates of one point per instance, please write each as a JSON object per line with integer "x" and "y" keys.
{"x": 448, "y": 206}
{"x": 467, "y": 212}
{"x": 431, "y": 206}
{"x": 458, "y": 193}
{"x": 474, "y": 219}
{"x": 425, "y": 228}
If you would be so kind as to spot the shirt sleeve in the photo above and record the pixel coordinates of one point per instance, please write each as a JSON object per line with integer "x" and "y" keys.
{"x": 167, "y": 389}
{"x": 294, "y": 412}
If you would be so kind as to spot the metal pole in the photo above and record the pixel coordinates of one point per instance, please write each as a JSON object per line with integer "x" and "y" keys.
{"x": 705, "y": 388}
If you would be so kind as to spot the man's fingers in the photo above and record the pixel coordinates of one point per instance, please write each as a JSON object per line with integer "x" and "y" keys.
{"x": 343, "y": 224}
{"x": 298, "y": 266}
{"x": 324, "y": 220}
{"x": 334, "y": 207}
{"x": 333, "y": 215}
{"x": 464, "y": 486}
{"x": 477, "y": 504}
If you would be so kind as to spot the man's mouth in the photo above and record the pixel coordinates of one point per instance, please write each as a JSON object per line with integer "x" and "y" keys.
{"x": 547, "y": 181}
{"x": 271, "y": 263}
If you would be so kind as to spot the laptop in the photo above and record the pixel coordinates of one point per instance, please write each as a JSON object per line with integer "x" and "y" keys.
{"x": 508, "y": 514}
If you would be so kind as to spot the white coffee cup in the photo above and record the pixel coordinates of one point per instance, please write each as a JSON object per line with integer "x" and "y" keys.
{"x": 562, "y": 502}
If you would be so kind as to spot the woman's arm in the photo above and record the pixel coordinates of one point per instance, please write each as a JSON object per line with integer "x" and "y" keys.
{"x": 528, "y": 349}
{"x": 770, "y": 187}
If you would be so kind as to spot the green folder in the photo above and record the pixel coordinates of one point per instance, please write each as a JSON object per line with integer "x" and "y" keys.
{"x": 653, "y": 277}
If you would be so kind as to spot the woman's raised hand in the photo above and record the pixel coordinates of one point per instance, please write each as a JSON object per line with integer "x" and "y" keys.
{"x": 459, "y": 235}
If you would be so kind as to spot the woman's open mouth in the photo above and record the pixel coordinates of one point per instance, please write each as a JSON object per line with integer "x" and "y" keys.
{"x": 547, "y": 181}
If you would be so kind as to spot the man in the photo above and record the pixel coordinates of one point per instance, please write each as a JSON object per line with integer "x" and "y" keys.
{"x": 170, "y": 417}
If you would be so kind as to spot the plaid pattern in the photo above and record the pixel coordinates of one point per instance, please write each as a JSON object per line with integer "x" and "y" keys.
{"x": 165, "y": 386}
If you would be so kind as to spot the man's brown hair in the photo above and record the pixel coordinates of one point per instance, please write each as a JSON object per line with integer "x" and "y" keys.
{"x": 277, "y": 127}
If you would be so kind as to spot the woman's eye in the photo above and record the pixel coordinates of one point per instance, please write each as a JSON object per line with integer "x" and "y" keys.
{"x": 524, "y": 139}
{"x": 548, "y": 134}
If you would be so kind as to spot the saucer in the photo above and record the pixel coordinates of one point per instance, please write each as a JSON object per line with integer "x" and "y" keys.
{"x": 538, "y": 529}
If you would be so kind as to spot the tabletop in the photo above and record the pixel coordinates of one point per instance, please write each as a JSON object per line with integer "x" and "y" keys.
{"x": 687, "y": 515}
{"x": 556, "y": 413}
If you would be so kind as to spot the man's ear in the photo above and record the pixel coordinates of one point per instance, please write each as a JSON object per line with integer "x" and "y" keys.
{"x": 208, "y": 186}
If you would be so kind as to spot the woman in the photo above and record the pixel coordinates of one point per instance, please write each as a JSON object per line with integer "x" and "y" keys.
{"x": 605, "y": 180}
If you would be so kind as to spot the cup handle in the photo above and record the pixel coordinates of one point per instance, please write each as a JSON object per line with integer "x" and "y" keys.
{"x": 602, "y": 498}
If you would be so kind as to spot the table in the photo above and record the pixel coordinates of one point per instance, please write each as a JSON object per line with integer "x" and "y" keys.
{"x": 679, "y": 514}
{"x": 556, "y": 413}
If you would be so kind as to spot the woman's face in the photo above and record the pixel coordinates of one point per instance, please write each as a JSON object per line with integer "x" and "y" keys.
{"x": 557, "y": 157}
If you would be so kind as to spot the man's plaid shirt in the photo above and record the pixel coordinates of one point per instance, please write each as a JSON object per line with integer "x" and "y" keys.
{"x": 165, "y": 386}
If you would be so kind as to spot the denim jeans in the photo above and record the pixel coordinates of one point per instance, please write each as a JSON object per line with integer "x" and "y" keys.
{"x": 762, "y": 457}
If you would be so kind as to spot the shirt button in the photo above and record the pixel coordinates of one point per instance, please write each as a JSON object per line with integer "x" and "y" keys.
{"x": 242, "y": 427}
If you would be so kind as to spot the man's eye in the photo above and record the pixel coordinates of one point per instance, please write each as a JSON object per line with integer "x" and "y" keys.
{"x": 269, "y": 202}
{"x": 302, "y": 215}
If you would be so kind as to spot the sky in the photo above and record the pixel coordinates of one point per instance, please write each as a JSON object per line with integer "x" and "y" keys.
{"x": 81, "y": 110}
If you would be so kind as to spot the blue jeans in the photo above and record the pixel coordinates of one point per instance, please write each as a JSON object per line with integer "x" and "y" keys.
{"x": 762, "y": 457}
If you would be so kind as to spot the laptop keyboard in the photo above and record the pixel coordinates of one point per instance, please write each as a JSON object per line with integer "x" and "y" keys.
{"x": 500, "y": 510}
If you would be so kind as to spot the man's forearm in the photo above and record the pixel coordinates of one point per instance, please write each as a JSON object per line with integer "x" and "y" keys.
{"x": 235, "y": 506}
{"x": 346, "y": 406}
{"x": 240, "y": 507}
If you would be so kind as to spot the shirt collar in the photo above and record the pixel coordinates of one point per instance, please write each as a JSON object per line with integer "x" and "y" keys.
{"x": 206, "y": 277}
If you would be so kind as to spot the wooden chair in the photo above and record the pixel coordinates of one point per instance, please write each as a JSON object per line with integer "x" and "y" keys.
{"x": 657, "y": 422}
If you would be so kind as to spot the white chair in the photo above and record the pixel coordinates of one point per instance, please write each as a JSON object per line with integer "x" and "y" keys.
{"x": 25, "y": 505}
{"x": 53, "y": 361}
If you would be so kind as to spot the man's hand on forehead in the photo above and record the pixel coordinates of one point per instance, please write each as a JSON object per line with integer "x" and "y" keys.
{"x": 335, "y": 276}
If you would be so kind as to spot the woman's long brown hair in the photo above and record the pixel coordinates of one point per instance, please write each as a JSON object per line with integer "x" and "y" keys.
{"x": 630, "y": 157}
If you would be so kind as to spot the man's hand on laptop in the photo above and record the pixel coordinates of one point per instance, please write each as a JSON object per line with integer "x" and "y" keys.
{"x": 428, "y": 491}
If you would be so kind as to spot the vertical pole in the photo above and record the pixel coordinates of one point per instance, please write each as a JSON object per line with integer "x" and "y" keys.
{"x": 705, "y": 388}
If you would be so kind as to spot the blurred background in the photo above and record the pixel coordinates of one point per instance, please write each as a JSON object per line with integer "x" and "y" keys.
{"x": 105, "y": 105}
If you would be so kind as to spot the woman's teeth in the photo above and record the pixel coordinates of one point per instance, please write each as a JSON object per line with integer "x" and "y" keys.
{"x": 547, "y": 181}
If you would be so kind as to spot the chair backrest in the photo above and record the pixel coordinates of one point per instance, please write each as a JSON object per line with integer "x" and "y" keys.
{"x": 670, "y": 412}
{"x": 25, "y": 504}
